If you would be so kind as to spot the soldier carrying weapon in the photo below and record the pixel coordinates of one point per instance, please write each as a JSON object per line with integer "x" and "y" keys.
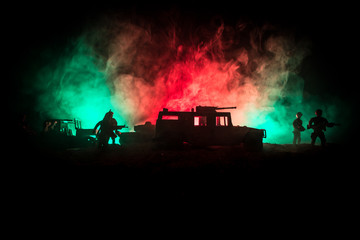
{"x": 107, "y": 127}
{"x": 298, "y": 128}
{"x": 319, "y": 124}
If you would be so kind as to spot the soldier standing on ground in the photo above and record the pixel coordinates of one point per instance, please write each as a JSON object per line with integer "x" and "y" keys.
{"x": 319, "y": 125}
{"x": 106, "y": 130}
{"x": 298, "y": 128}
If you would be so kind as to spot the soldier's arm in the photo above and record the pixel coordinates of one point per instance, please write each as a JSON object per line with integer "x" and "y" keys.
{"x": 310, "y": 123}
{"x": 114, "y": 122}
{"x": 96, "y": 126}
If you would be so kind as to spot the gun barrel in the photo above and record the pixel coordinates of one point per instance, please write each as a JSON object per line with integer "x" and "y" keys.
{"x": 219, "y": 108}
{"x": 207, "y": 109}
{"x": 121, "y": 127}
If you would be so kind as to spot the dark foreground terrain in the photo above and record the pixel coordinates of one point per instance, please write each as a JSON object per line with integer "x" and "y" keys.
{"x": 215, "y": 172}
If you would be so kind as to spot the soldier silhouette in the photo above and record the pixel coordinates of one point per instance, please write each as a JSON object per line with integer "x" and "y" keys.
{"x": 298, "y": 128}
{"x": 319, "y": 124}
{"x": 106, "y": 130}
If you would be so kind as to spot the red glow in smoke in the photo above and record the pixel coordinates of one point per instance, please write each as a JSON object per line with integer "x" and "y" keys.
{"x": 191, "y": 79}
{"x": 151, "y": 70}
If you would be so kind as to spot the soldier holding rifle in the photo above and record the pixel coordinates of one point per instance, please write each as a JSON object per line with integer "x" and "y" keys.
{"x": 107, "y": 127}
{"x": 319, "y": 124}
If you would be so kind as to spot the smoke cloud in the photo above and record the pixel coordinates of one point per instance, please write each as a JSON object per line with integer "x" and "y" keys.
{"x": 72, "y": 85}
{"x": 137, "y": 66}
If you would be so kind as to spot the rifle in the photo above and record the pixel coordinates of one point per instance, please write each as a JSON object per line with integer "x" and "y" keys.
{"x": 120, "y": 127}
{"x": 333, "y": 124}
{"x": 327, "y": 125}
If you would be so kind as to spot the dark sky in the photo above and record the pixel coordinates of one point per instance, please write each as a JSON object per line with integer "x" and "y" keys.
{"x": 330, "y": 28}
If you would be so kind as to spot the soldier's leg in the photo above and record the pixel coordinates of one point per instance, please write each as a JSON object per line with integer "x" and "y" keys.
{"x": 299, "y": 138}
{"x": 103, "y": 140}
{"x": 296, "y": 137}
{"x": 100, "y": 141}
{"x": 106, "y": 141}
{"x": 294, "y": 141}
{"x": 113, "y": 136}
{"x": 322, "y": 139}
{"x": 313, "y": 138}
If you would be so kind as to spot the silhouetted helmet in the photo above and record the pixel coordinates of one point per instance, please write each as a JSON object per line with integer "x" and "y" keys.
{"x": 299, "y": 114}
{"x": 318, "y": 112}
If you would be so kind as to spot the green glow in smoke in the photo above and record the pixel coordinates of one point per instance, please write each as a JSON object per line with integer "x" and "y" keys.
{"x": 278, "y": 116}
{"x": 72, "y": 85}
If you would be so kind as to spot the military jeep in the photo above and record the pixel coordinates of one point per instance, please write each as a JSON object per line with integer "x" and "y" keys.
{"x": 203, "y": 127}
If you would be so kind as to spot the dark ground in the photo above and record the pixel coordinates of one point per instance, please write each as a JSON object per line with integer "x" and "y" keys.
{"x": 304, "y": 187}
{"x": 216, "y": 172}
